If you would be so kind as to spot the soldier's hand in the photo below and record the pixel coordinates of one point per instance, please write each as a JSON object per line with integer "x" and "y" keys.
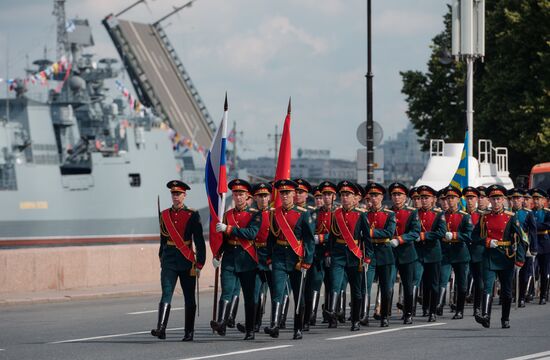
{"x": 316, "y": 238}
{"x": 493, "y": 244}
{"x": 449, "y": 235}
{"x": 197, "y": 272}
{"x": 328, "y": 261}
{"x": 394, "y": 243}
{"x": 221, "y": 227}
{"x": 216, "y": 263}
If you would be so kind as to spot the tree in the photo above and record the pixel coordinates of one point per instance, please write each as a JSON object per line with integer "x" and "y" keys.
{"x": 511, "y": 93}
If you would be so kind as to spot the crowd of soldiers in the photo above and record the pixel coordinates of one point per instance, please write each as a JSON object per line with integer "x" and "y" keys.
{"x": 428, "y": 238}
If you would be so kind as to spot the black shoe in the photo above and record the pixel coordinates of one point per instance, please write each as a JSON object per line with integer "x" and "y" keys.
{"x": 505, "y": 324}
{"x": 355, "y": 326}
{"x": 384, "y": 322}
{"x": 249, "y": 335}
{"x": 241, "y": 328}
{"x": 432, "y": 317}
{"x": 459, "y": 315}
{"x": 297, "y": 335}
{"x": 407, "y": 319}
{"x": 521, "y": 303}
{"x": 188, "y": 336}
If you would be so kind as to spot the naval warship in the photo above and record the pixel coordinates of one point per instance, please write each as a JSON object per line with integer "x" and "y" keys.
{"x": 78, "y": 168}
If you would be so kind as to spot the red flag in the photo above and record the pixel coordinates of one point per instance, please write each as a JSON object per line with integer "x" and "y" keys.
{"x": 283, "y": 161}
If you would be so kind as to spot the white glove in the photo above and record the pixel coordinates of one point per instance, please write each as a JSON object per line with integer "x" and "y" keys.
{"x": 328, "y": 261}
{"x": 221, "y": 227}
{"x": 197, "y": 272}
{"x": 417, "y": 239}
{"x": 304, "y": 271}
{"x": 517, "y": 268}
{"x": 316, "y": 238}
{"x": 534, "y": 254}
{"x": 449, "y": 235}
{"x": 270, "y": 267}
{"x": 394, "y": 243}
{"x": 216, "y": 263}
{"x": 493, "y": 244}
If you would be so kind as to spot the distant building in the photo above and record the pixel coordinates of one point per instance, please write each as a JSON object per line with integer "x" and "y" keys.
{"x": 403, "y": 159}
{"x": 312, "y": 165}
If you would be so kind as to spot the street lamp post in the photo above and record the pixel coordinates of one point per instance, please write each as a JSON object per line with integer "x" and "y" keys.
{"x": 370, "y": 121}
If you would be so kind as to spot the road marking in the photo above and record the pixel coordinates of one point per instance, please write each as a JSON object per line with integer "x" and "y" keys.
{"x": 384, "y": 331}
{"x": 108, "y": 336}
{"x": 238, "y": 352}
{"x": 152, "y": 311}
{"x": 532, "y": 356}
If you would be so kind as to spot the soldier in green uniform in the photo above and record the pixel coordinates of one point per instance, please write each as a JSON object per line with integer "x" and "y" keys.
{"x": 316, "y": 273}
{"x": 407, "y": 230}
{"x": 542, "y": 217}
{"x": 349, "y": 249}
{"x": 428, "y": 249}
{"x": 418, "y": 268}
{"x": 382, "y": 224}
{"x": 454, "y": 248}
{"x": 290, "y": 252}
{"x": 240, "y": 260}
{"x": 180, "y": 227}
{"x": 318, "y": 197}
{"x": 500, "y": 232}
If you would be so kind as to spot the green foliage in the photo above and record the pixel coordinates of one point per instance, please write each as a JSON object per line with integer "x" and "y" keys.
{"x": 511, "y": 93}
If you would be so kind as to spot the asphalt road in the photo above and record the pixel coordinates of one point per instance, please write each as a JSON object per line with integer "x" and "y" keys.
{"x": 119, "y": 329}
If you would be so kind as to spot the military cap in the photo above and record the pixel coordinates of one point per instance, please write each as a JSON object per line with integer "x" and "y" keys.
{"x": 375, "y": 188}
{"x": 413, "y": 192}
{"x": 482, "y": 190}
{"x": 361, "y": 190}
{"x": 347, "y": 186}
{"x": 316, "y": 191}
{"x": 441, "y": 193}
{"x": 397, "y": 187}
{"x": 426, "y": 190}
{"x": 261, "y": 188}
{"x": 177, "y": 186}
{"x": 451, "y": 191}
{"x": 470, "y": 191}
{"x": 527, "y": 194}
{"x": 496, "y": 190}
{"x": 303, "y": 185}
{"x": 536, "y": 192}
{"x": 327, "y": 186}
{"x": 516, "y": 192}
{"x": 239, "y": 185}
{"x": 285, "y": 184}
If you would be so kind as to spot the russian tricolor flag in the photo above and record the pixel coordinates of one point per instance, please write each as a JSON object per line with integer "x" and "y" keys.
{"x": 216, "y": 181}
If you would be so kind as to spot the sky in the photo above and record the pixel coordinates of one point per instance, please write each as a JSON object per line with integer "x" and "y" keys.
{"x": 262, "y": 52}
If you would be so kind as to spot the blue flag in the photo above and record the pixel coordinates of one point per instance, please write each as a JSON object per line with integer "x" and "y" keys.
{"x": 460, "y": 178}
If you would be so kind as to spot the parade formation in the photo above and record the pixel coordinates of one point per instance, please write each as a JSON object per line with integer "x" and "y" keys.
{"x": 478, "y": 244}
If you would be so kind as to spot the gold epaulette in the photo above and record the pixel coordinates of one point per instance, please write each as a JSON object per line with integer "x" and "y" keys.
{"x": 361, "y": 209}
{"x": 437, "y": 210}
{"x": 511, "y": 213}
{"x": 301, "y": 208}
{"x": 463, "y": 212}
{"x": 528, "y": 210}
{"x": 311, "y": 207}
{"x": 387, "y": 210}
{"x": 410, "y": 208}
{"x": 252, "y": 209}
{"x": 547, "y": 209}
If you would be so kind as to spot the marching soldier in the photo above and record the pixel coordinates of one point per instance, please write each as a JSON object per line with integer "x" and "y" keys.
{"x": 290, "y": 249}
{"x": 381, "y": 230}
{"x": 428, "y": 248}
{"x": 472, "y": 195}
{"x": 407, "y": 230}
{"x": 500, "y": 232}
{"x": 542, "y": 216}
{"x": 418, "y": 268}
{"x": 316, "y": 274}
{"x": 349, "y": 249}
{"x": 318, "y": 196}
{"x": 415, "y": 197}
{"x": 483, "y": 203}
{"x": 180, "y": 226}
{"x": 441, "y": 201}
{"x": 529, "y": 227}
{"x": 454, "y": 248}
{"x": 240, "y": 260}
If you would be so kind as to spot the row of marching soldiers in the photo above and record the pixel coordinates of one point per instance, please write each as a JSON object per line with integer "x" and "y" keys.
{"x": 293, "y": 249}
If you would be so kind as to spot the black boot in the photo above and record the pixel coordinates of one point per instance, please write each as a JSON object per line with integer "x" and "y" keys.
{"x": 307, "y": 313}
{"x": 355, "y": 312}
{"x": 408, "y": 301}
{"x": 460, "y": 300}
{"x": 543, "y": 290}
{"x": 298, "y": 323}
{"x": 233, "y": 312}
{"x": 249, "y": 314}
{"x": 384, "y": 300}
{"x": 189, "y": 322}
{"x": 284, "y": 314}
{"x": 313, "y": 316}
{"x": 377, "y": 308}
{"x": 415, "y": 299}
{"x": 163, "y": 315}
{"x": 331, "y": 311}
{"x": 485, "y": 318}
{"x": 273, "y": 328}
{"x": 441, "y": 301}
{"x": 505, "y": 319}
{"x": 219, "y": 326}
{"x": 477, "y": 302}
{"x": 390, "y": 302}
{"x": 260, "y": 309}
{"x": 342, "y": 310}
{"x": 365, "y": 309}
{"x": 326, "y": 305}
{"x": 433, "y": 301}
